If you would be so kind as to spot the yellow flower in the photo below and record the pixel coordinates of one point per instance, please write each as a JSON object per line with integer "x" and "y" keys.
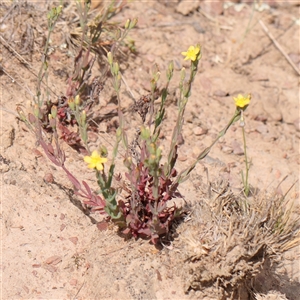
{"x": 95, "y": 161}
{"x": 192, "y": 53}
{"x": 242, "y": 101}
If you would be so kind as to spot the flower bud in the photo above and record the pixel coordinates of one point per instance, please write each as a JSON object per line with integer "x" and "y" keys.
{"x": 53, "y": 111}
{"x": 115, "y": 68}
{"x": 156, "y": 76}
{"x": 71, "y": 103}
{"x": 118, "y": 132}
{"x": 59, "y": 9}
{"x": 145, "y": 133}
{"x": 153, "y": 85}
{"x": 21, "y": 113}
{"x": 127, "y": 24}
{"x": 77, "y": 100}
{"x": 110, "y": 58}
{"x": 133, "y": 23}
{"x": 83, "y": 117}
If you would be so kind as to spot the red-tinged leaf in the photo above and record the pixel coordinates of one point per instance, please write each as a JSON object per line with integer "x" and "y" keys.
{"x": 100, "y": 210}
{"x": 76, "y": 192}
{"x": 145, "y": 231}
{"x": 50, "y": 149}
{"x": 87, "y": 188}
{"x": 98, "y": 201}
{"x": 49, "y": 155}
{"x": 74, "y": 181}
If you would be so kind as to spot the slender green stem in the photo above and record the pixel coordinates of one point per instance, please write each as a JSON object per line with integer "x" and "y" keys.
{"x": 246, "y": 184}
{"x": 183, "y": 175}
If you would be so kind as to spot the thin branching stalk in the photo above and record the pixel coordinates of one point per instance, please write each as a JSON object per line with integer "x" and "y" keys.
{"x": 246, "y": 181}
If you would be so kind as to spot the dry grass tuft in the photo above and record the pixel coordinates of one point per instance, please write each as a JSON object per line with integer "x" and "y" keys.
{"x": 231, "y": 240}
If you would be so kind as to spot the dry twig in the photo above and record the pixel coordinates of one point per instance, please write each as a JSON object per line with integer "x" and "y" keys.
{"x": 266, "y": 30}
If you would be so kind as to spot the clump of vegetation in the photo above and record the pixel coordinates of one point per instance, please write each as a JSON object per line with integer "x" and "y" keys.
{"x": 245, "y": 232}
{"x": 148, "y": 210}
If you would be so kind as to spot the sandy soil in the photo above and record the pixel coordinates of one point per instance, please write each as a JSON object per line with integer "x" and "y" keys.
{"x": 50, "y": 248}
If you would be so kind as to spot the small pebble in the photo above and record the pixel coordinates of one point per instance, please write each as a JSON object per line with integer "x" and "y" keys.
{"x": 199, "y": 131}
{"x": 53, "y": 260}
{"x": 73, "y": 282}
{"x": 220, "y": 93}
{"x": 277, "y": 174}
{"x": 237, "y": 149}
{"x": 48, "y": 178}
{"x": 262, "y": 128}
{"x": 74, "y": 240}
{"x": 227, "y": 149}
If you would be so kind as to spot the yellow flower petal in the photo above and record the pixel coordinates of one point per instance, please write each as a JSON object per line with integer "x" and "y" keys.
{"x": 95, "y": 161}
{"x": 242, "y": 101}
{"x": 95, "y": 154}
{"x": 192, "y": 53}
{"x": 87, "y": 159}
{"x": 99, "y": 166}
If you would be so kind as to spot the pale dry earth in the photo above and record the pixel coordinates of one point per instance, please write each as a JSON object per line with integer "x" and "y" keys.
{"x": 50, "y": 249}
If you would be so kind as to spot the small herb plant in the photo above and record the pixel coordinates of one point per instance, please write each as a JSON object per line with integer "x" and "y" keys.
{"x": 148, "y": 210}
{"x": 151, "y": 175}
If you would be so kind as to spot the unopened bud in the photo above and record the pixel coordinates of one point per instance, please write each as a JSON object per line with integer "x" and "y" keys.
{"x": 119, "y": 132}
{"x": 115, "y": 68}
{"x": 59, "y": 9}
{"x": 156, "y": 76}
{"x": 83, "y": 117}
{"x": 145, "y": 133}
{"x": 110, "y": 58}
{"x": 127, "y": 24}
{"x": 133, "y": 23}
{"x": 21, "y": 114}
{"x": 71, "y": 103}
{"x": 153, "y": 85}
{"x": 54, "y": 111}
{"x": 77, "y": 100}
